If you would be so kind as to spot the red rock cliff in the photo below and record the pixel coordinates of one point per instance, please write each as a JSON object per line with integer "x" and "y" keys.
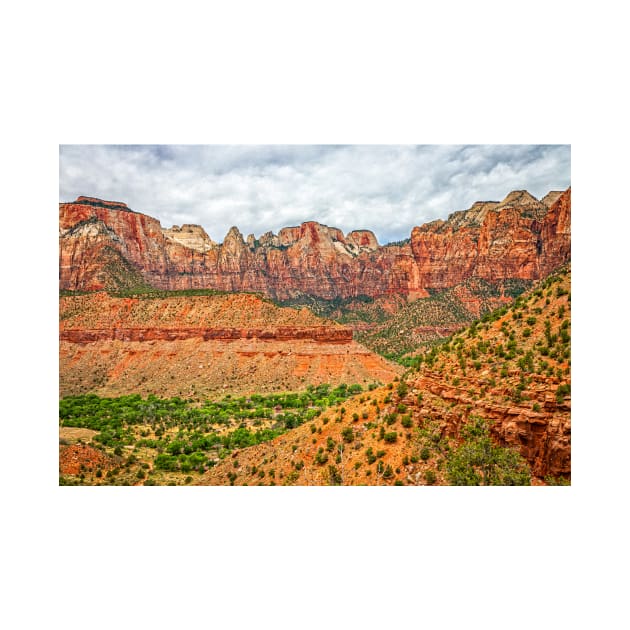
{"x": 518, "y": 238}
{"x": 105, "y": 244}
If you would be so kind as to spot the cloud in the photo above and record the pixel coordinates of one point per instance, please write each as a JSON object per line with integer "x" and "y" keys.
{"x": 387, "y": 189}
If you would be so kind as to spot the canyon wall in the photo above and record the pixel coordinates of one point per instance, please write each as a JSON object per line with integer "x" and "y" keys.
{"x": 105, "y": 245}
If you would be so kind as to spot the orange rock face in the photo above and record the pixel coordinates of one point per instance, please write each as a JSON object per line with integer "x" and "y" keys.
{"x": 542, "y": 437}
{"x": 515, "y": 239}
{"x": 105, "y": 244}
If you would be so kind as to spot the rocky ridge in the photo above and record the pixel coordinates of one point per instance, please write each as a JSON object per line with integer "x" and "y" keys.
{"x": 106, "y": 245}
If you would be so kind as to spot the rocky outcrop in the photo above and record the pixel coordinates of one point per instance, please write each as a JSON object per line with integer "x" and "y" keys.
{"x": 516, "y": 238}
{"x": 555, "y": 235}
{"x": 542, "y": 437}
{"x": 551, "y": 197}
{"x": 105, "y": 244}
{"x": 191, "y": 236}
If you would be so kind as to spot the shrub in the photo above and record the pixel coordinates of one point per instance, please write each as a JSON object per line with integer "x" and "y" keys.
{"x": 425, "y": 453}
{"x": 334, "y": 476}
{"x": 562, "y": 391}
{"x": 348, "y": 435}
{"x": 429, "y": 477}
{"x": 391, "y": 437}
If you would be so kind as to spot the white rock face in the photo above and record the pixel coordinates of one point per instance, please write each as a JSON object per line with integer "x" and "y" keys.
{"x": 191, "y": 236}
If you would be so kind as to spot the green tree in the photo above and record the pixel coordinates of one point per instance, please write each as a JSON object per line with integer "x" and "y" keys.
{"x": 479, "y": 462}
{"x": 335, "y": 478}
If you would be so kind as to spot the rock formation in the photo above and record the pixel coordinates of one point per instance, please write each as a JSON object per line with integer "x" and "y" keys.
{"x": 106, "y": 245}
{"x": 517, "y": 238}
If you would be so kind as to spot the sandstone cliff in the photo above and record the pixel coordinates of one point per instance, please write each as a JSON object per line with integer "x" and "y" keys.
{"x": 516, "y": 238}
{"x": 107, "y": 245}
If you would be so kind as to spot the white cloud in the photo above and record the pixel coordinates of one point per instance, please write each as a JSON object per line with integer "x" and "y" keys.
{"x": 387, "y": 189}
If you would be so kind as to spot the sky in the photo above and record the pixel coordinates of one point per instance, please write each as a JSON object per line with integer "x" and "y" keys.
{"x": 384, "y": 188}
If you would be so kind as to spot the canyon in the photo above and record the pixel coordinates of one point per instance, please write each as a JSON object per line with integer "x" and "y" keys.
{"x": 170, "y": 312}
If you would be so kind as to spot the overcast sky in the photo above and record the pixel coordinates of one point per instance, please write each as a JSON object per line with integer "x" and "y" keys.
{"x": 387, "y": 189}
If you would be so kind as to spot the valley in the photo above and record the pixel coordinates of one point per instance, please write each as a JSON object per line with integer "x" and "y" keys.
{"x": 311, "y": 357}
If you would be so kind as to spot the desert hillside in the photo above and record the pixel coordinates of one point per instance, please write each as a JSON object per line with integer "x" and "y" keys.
{"x": 503, "y": 382}
{"x": 204, "y": 346}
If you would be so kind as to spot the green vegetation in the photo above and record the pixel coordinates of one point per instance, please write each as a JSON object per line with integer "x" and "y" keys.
{"x": 478, "y": 462}
{"x": 151, "y": 293}
{"x": 177, "y": 436}
{"x": 412, "y": 327}
{"x": 391, "y": 437}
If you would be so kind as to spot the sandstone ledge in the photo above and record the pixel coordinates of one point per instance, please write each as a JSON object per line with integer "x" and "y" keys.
{"x": 321, "y": 334}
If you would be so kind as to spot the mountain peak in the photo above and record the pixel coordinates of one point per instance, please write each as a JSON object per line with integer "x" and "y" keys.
{"x": 519, "y": 197}
{"x": 526, "y": 203}
{"x": 551, "y": 197}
